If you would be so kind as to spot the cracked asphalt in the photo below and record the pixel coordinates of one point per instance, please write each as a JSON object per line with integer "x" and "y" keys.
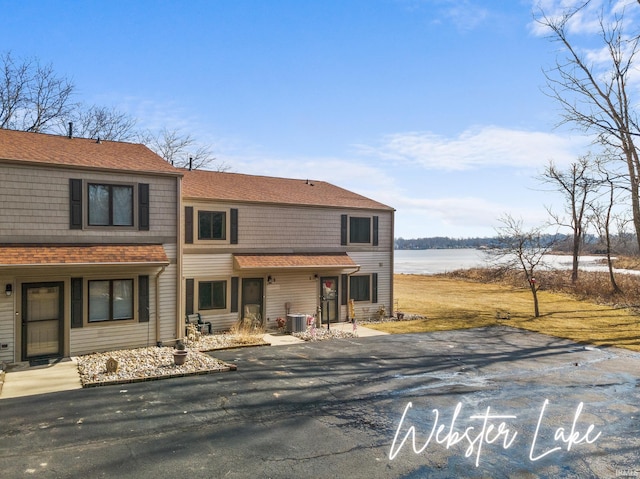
{"x": 491, "y": 402}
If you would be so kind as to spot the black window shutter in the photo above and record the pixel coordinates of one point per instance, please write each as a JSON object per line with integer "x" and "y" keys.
{"x": 374, "y": 288}
{"x": 234, "y": 294}
{"x": 188, "y": 224}
{"x": 143, "y": 299}
{"x": 76, "y": 303}
{"x": 189, "y": 296}
{"x": 233, "y": 223}
{"x": 375, "y": 231}
{"x": 75, "y": 204}
{"x": 345, "y": 289}
{"x": 143, "y": 207}
{"x": 343, "y": 229}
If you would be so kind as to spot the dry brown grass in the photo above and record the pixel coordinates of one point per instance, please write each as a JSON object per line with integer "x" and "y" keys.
{"x": 244, "y": 332}
{"x": 452, "y": 303}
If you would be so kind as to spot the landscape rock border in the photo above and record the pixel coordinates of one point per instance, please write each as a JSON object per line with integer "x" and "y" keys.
{"x": 145, "y": 364}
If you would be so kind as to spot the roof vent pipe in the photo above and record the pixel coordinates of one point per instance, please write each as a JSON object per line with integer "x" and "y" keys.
{"x": 190, "y": 163}
{"x": 70, "y": 129}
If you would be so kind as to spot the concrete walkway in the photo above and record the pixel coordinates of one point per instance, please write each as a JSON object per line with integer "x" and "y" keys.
{"x": 21, "y": 380}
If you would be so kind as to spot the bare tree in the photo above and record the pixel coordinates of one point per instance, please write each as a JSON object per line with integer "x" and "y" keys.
{"x": 524, "y": 250}
{"x": 103, "y": 123}
{"x": 32, "y": 96}
{"x": 183, "y": 151}
{"x": 576, "y": 184}
{"x": 602, "y": 217}
{"x": 594, "y": 88}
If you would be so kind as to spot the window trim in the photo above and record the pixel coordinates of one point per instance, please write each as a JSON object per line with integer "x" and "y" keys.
{"x": 225, "y": 223}
{"x": 347, "y": 230}
{"x": 353, "y": 230}
{"x": 111, "y": 320}
{"x": 369, "y": 287}
{"x": 134, "y": 204}
{"x": 213, "y": 308}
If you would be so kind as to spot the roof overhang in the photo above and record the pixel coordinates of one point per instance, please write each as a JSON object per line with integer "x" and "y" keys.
{"x": 307, "y": 261}
{"x": 82, "y": 255}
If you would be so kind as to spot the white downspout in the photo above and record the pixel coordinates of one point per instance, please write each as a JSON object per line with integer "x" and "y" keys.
{"x": 158, "y": 339}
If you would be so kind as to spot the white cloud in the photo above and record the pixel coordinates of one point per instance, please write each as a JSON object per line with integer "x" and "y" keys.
{"x": 344, "y": 172}
{"x": 465, "y": 15}
{"x": 476, "y": 148}
{"x": 585, "y": 20}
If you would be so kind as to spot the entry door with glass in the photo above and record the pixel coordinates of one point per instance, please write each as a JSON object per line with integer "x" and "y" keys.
{"x": 329, "y": 299}
{"x": 252, "y": 293}
{"x": 42, "y": 319}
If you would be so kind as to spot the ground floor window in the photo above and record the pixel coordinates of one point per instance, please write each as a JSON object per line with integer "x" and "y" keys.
{"x": 212, "y": 295}
{"x": 360, "y": 288}
{"x": 110, "y": 300}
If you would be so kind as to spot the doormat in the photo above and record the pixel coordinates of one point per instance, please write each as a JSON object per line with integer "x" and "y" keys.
{"x": 43, "y": 361}
{"x": 39, "y": 362}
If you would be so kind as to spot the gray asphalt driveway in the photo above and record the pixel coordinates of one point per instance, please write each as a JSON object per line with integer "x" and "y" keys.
{"x": 496, "y": 402}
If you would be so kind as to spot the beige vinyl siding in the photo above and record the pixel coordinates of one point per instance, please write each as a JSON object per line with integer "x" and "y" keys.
{"x": 168, "y": 302}
{"x": 112, "y": 335}
{"x": 214, "y": 267}
{"x": 7, "y": 323}
{"x": 267, "y": 228}
{"x": 36, "y": 200}
{"x": 370, "y": 263}
{"x": 296, "y": 228}
{"x": 300, "y": 289}
{"x": 209, "y": 265}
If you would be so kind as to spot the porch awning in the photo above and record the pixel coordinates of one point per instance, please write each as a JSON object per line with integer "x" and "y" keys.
{"x": 58, "y": 255}
{"x": 293, "y": 261}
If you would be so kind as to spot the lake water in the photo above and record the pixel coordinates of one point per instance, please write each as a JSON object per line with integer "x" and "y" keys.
{"x": 434, "y": 261}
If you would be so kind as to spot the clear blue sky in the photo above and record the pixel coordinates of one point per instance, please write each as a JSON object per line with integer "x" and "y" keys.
{"x": 433, "y": 107}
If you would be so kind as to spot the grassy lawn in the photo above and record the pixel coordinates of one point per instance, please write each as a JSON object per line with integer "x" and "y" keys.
{"x": 456, "y": 304}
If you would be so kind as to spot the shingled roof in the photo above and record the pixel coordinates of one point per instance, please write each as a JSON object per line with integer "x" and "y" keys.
{"x": 31, "y": 255}
{"x": 39, "y": 148}
{"x": 222, "y": 186}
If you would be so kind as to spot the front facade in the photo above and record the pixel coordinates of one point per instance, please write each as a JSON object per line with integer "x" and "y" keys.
{"x": 262, "y": 248}
{"x": 104, "y": 246}
{"x": 89, "y": 257}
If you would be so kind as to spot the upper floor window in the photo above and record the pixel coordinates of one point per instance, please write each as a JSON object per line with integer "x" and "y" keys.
{"x": 359, "y": 229}
{"x": 212, "y": 225}
{"x": 110, "y": 205}
{"x": 103, "y": 204}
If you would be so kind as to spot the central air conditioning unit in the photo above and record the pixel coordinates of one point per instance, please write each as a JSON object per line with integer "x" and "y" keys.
{"x": 296, "y": 323}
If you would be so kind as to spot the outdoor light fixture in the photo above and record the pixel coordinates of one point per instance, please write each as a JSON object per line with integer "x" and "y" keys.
{"x": 271, "y": 279}
{"x": 8, "y": 289}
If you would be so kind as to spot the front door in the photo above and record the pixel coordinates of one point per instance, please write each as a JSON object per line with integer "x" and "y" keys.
{"x": 329, "y": 299}
{"x": 252, "y": 293}
{"x": 42, "y": 319}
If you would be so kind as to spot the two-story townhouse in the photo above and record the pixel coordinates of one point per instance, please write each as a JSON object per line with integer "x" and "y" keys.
{"x": 89, "y": 257}
{"x": 265, "y": 247}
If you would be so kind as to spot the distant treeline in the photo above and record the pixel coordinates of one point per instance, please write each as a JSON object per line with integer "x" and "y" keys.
{"x": 621, "y": 244}
{"x": 443, "y": 242}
